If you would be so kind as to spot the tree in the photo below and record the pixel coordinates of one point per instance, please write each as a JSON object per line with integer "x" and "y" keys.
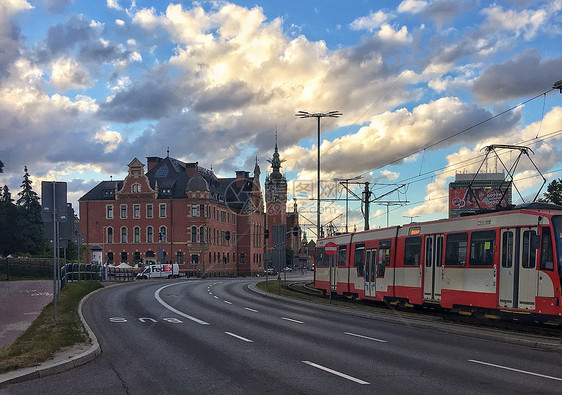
{"x": 554, "y": 192}
{"x": 8, "y": 219}
{"x": 1, "y": 167}
{"x": 29, "y": 222}
{"x": 289, "y": 254}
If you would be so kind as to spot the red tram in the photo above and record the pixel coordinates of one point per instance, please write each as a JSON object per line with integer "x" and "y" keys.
{"x": 501, "y": 261}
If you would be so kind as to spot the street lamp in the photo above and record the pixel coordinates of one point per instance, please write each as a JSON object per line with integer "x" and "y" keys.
{"x": 318, "y": 115}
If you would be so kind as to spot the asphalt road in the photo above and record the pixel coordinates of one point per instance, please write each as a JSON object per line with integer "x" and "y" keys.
{"x": 215, "y": 336}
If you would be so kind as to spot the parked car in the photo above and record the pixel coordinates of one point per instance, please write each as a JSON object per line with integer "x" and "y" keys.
{"x": 288, "y": 269}
{"x": 270, "y": 271}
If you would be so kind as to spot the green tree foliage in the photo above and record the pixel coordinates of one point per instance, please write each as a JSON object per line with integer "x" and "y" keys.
{"x": 289, "y": 254}
{"x": 1, "y": 167}
{"x": 8, "y": 217}
{"x": 29, "y": 223}
{"x": 553, "y": 192}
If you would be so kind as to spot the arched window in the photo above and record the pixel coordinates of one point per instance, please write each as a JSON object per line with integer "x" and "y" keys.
{"x": 110, "y": 235}
{"x": 162, "y": 234}
{"x": 202, "y": 234}
{"x": 123, "y": 257}
{"x": 194, "y": 234}
{"x": 150, "y": 234}
{"x": 123, "y": 234}
{"x": 136, "y": 233}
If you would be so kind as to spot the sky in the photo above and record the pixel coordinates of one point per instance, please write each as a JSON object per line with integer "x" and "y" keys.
{"x": 422, "y": 85}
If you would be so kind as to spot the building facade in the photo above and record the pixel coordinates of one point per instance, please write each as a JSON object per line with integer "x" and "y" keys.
{"x": 178, "y": 212}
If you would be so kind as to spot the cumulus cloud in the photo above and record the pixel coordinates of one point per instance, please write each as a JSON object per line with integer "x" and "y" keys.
{"x": 372, "y": 21}
{"x": 67, "y": 74}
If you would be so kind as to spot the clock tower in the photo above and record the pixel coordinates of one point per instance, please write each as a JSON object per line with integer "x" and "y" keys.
{"x": 275, "y": 194}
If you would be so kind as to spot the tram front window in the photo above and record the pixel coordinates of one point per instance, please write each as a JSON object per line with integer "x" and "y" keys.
{"x": 557, "y": 223}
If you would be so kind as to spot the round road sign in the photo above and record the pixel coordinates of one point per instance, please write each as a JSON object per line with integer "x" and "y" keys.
{"x": 330, "y": 248}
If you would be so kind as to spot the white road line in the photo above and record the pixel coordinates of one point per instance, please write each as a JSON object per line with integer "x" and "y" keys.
{"x": 239, "y": 337}
{"x": 166, "y": 305}
{"x": 345, "y": 376}
{"x": 252, "y": 310}
{"x": 227, "y": 302}
{"x": 290, "y": 319}
{"x": 365, "y": 337}
{"x": 216, "y": 297}
{"x": 516, "y": 370}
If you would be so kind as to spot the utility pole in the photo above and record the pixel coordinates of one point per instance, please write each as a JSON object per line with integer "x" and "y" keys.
{"x": 366, "y": 197}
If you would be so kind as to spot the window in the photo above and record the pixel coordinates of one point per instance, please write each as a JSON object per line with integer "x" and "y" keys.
{"x": 162, "y": 234}
{"x": 223, "y": 216}
{"x": 529, "y": 253}
{"x": 201, "y": 210}
{"x": 194, "y": 259}
{"x": 110, "y": 257}
{"x": 136, "y": 257}
{"x": 359, "y": 259}
{"x": 547, "y": 259}
{"x": 455, "y": 249}
{"x": 202, "y": 234}
{"x": 123, "y": 234}
{"x": 194, "y": 210}
{"x": 135, "y": 188}
{"x": 162, "y": 210}
{"x": 136, "y": 234}
{"x": 123, "y": 211}
{"x": 109, "y": 211}
{"x": 149, "y": 211}
{"x": 123, "y": 257}
{"x": 482, "y": 248}
{"x": 507, "y": 249}
{"x": 384, "y": 257}
{"x": 180, "y": 258}
{"x": 150, "y": 234}
{"x": 412, "y": 251}
{"x": 110, "y": 235}
{"x": 428, "y": 252}
{"x": 342, "y": 256}
{"x": 194, "y": 234}
{"x": 136, "y": 210}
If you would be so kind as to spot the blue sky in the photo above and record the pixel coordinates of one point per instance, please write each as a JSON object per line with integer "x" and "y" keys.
{"x": 86, "y": 86}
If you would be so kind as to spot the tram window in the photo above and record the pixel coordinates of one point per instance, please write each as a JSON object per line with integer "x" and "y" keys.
{"x": 529, "y": 253}
{"x": 412, "y": 251}
{"x": 482, "y": 248}
{"x": 439, "y": 252}
{"x": 359, "y": 259}
{"x": 507, "y": 249}
{"x": 384, "y": 252}
{"x": 342, "y": 256}
{"x": 547, "y": 260}
{"x": 455, "y": 249}
{"x": 321, "y": 260}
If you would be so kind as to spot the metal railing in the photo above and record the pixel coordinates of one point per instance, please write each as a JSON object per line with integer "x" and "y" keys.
{"x": 90, "y": 271}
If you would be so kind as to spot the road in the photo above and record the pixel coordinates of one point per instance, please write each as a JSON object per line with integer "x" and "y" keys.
{"x": 215, "y": 336}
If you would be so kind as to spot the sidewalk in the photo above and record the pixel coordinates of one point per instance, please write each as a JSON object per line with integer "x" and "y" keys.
{"x": 20, "y": 303}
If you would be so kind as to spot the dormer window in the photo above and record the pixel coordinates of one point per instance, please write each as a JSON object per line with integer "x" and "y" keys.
{"x": 136, "y": 188}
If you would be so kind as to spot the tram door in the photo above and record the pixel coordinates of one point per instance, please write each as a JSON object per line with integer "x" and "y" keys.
{"x": 518, "y": 275}
{"x": 370, "y": 272}
{"x": 433, "y": 268}
{"x": 332, "y": 259}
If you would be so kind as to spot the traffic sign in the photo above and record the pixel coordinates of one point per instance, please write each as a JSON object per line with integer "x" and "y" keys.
{"x": 330, "y": 248}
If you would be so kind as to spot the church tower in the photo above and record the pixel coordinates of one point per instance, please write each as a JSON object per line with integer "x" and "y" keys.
{"x": 276, "y": 192}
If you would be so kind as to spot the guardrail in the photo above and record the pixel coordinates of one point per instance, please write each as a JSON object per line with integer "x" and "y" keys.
{"x": 90, "y": 271}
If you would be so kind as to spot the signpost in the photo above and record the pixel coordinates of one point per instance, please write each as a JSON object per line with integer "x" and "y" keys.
{"x": 331, "y": 248}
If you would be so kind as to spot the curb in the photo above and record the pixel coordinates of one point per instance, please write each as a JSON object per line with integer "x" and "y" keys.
{"x": 436, "y": 323}
{"x": 47, "y": 369}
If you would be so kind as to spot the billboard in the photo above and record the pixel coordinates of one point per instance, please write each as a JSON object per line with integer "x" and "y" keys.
{"x": 476, "y": 198}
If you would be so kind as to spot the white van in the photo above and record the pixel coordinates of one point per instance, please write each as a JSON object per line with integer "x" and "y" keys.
{"x": 158, "y": 271}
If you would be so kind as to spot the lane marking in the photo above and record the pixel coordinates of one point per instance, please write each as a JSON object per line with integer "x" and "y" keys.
{"x": 292, "y": 320}
{"x": 516, "y": 370}
{"x": 252, "y": 310}
{"x": 227, "y": 302}
{"x": 239, "y": 337}
{"x": 365, "y": 337}
{"x": 216, "y": 297}
{"x": 345, "y": 376}
{"x": 166, "y": 305}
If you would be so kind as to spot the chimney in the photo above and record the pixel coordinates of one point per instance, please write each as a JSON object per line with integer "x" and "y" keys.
{"x": 191, "y": 168}
{"x": 241, "y": 177}
{"x": 152, "y": 161}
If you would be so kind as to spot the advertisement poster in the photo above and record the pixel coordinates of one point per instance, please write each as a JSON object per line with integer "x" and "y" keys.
{"x": 474, "y": 199}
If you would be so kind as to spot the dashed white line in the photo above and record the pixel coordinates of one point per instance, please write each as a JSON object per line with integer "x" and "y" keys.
{"x": 252, "y": 310}
{"x": 166, "y": 305}
{"x": 216, "y": 297}
{"x": 345, "y": 376}
{"x": 227, "y": 302}
{"x": 516, "y": 370}
{"x": 292, "y": 320}
{"x": 239, "y": 337}
{"x": 365, "y": 337}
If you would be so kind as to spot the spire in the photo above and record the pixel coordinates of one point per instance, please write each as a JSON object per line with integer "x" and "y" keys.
{"x": 257, "y": 170}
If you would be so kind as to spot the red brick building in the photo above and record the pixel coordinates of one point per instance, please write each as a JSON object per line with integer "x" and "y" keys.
{"x": 178, "y": 212}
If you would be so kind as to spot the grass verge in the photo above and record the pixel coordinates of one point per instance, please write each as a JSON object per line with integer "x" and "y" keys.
{"x": 44, "y": 338}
